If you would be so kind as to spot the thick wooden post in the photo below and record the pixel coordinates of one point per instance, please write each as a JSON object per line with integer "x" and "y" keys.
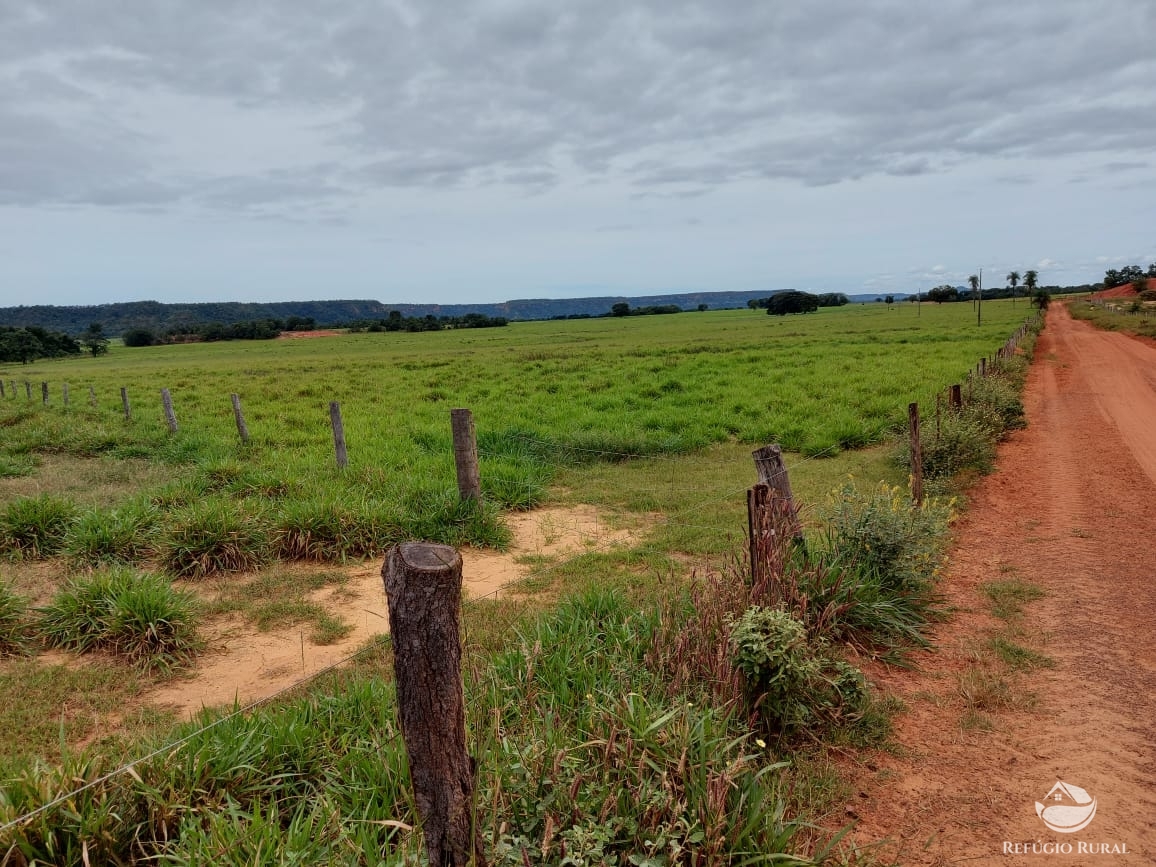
{"x": 65, "y": 391}
{"x": 916, "y": 454}
{"x": 773, "y": 473}
{"x": 91, "y": 396}
{"x": 27, "y": 390}
{"x": 239, "y": 417}
{"x": 2, "y": 392}
{"x": 338, "y": 434}
{"x": 125, "y": 404}
{"x": 423, "y": 585}
{"x": 44, "y": 393}
{"x": 170, "y": 416}
{"x": 956, "y": 397}
{"x": 466, "y": 454}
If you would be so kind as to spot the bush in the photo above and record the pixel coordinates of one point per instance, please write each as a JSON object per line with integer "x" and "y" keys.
{"x": 139, "y": 337}
{"x": 213, "y": 536}
{"x": 13, "y": 623}
{"x": 131, "y": 614}
{"x": 35, "y": 527}
{"x": 790, "y": 681}
{"x": 124, "y": 535}
{"x": 886, "y": 537}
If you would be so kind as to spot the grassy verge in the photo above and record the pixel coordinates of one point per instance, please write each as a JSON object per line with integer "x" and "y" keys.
{"x": 1136, "y": 317}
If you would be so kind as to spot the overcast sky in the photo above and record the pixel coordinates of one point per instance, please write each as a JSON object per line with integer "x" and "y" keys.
{"x": 189, "y": 150}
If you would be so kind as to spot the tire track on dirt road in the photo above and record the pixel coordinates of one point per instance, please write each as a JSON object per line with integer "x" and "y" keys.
{"x": 1071, "y": 508}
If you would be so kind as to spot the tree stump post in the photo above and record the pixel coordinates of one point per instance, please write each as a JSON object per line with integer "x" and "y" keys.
{"x": 466, "y": 454}
{"x": 916, "y": 454}
{"x": 239, "y": 417}
{"x": 956, "y": 397}
{"x": 423, "y": 585}
{"x": 773, "y": 473}
{"x": 340, "y": 452}
{"x": 170, "y": 416}
{"x": 124, "y": 403}
{"x": 44, "y": 393}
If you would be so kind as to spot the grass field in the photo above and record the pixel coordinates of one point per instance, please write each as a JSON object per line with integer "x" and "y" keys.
{"x": 649, "y": 415}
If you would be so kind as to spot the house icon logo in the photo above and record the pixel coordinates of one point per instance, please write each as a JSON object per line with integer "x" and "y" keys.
{"x": 1067, "y": 808}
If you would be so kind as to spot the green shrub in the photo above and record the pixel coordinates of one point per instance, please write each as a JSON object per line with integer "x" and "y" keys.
{"x": 123, "y": 535}
{"x": 13, "y": 622}
{"x": 135, "y": 615}
{"x": 213, "y": 536}
{"x": 790, "y": 681}
{"x": 35, "y": 527}
{"x": 325, "y": 531}
{"x": 440, "y": 515}
{"x": 885, "y": 536}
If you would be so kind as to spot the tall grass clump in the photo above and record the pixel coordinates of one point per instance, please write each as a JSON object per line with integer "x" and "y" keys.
{"x": 126, "y": 534}
{"x": 135, "y": 615}
{"x": 32, "y": 528}
{"x": 213, "y": 536}
{"x": 439, "y": 515}
{"x": 323, "y": 530}
{"x": 14, "y": 627}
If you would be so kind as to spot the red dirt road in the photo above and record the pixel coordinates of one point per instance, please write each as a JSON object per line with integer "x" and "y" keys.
{"x": 1071, "y": 508}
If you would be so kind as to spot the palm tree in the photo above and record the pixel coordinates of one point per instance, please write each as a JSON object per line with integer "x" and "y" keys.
{"x": 1031, "y": 278}
{"x": 974, "y": 281}
{"x": 1013, "y": 280}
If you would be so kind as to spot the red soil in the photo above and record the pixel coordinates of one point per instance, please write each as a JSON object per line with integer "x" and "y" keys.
{"x": 1125, "y": 291}
{"x": 1071, "y": 509}
{"x": 298, "y": 335}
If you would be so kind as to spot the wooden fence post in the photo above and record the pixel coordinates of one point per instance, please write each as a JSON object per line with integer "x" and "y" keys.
{"x": 125, "y": 404}
{"x": 773, "y": 473}
{"x": 170, "y": 416}
{"x": 423, "y": 585}
{"x": 2, "y": 393}
{"x": 239, "y": 417}
{"x": 65, "y": 391}
{"x": 916, "y": 454}
{"x": 44, "y": 393}
{"x": 27, "y": 390}
{"x": 956, "y": 400}
{"x": 983, "y": 366}
{"x": 338, "y": 435}
{"x": 466, "y": 454}
{"x": 91, "y": 396}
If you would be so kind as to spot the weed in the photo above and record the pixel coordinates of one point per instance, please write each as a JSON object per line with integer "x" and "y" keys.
{"x": 135, "y": 615}
{"x": 1008, "y": 597}
{"x": 35, "y": 527}
{"x": 1018, "y": 657}
{"x": 13, "y": 622}
{"x": 213, "y": 536}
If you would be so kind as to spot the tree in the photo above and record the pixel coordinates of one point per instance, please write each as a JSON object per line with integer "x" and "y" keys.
{"x": 703, "y": 307}
{"x": 620, "y": 309}
{"x": 1031, "y": 281}
{"x": 138, "y": 337}
{"x": 1013, "y": 280}
{"x": 943, "y": 293}
{"x": 792, "y": 302}
{"x": 93, "y": 339}
{"x": 1041, "y": 299}
{"x": 889, "y": 300}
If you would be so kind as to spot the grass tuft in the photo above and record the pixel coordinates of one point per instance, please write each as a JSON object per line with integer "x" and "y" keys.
{"x": 32, "y": 528}
{"x": 214, "y": 536}
{"x": 13, "y": 622}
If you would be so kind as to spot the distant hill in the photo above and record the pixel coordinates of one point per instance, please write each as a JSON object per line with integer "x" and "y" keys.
{"x": 117, "y": 318}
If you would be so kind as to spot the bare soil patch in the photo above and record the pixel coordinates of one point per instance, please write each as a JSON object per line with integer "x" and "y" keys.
{"x": 305, "y": 335}
{"x": 243, "y": 664}
{"x": 1071, "y": 509}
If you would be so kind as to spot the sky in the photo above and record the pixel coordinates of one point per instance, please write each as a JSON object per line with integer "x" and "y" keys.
{"x": 456, "y": 152}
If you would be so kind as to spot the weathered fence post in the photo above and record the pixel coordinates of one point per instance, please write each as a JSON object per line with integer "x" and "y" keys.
{"x": 44, "y": 393}
{"x": 170, "y": 416}
{"x": 956, "y": 400}
{"x": 916, "y": 454}
{"x": 466, "y": 454}
{"x": 338, "y": 434}
{"x": 239, "y": 417}
{"x": 125, "y": 404}
{"x": 983, "y": 366}
{"x": 2, "y": 393}
{"x": 65, "y": 390}
{"x": 27, "y": 390}
{"x": 423, "y": 585}
{"x": 91, "y": 396}
{"x": 773, "y": 473}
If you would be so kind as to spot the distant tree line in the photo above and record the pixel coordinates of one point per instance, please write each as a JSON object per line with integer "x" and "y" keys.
{"x": 209, "y": 332}
{"x": 29, "y": 344}
{"x": 622, "y": 308}
{"x": 1129, "y": 274}
{"x": 395, "y": 321}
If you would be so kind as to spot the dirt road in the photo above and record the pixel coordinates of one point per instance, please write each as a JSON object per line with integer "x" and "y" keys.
{"x": 1071, "y": 508}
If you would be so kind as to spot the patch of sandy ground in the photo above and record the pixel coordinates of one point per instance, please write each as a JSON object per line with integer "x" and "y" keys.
{"x": 243, "y": 665}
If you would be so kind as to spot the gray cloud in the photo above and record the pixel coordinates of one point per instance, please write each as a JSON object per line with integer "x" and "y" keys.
{"x": 671, "y": 97}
